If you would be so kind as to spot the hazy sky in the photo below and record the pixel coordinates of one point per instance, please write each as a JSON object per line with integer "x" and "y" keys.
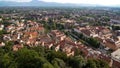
{"x": 100, "y": 2}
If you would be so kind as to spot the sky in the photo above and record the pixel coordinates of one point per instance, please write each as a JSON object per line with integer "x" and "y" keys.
{"x": 98, "y": 2}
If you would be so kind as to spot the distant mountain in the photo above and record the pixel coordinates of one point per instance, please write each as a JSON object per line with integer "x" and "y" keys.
{"x": 40, "y": 3}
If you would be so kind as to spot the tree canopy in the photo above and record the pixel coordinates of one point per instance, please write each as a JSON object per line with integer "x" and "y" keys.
{"x": 40, "y": 57}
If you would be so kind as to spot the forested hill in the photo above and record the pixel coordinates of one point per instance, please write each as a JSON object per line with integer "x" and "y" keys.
{"x": 40, "y": 57}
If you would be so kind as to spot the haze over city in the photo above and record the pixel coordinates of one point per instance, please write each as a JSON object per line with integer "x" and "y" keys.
{"x": 97, "y": 2}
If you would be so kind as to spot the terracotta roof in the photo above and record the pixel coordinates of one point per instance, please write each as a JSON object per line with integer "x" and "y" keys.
{"x": 116, "y": 64}
{"x": 110, "y": 44}
{"x": 86, "y": 32}
{"x": 105, "y": 57}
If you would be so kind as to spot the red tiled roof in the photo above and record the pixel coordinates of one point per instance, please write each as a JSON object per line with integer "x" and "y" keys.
{"x": 87, "y": 32}
{"x": 116, "y": 64}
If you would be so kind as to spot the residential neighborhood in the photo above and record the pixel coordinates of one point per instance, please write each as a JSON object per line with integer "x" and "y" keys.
{"x": 95, "y": 33}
